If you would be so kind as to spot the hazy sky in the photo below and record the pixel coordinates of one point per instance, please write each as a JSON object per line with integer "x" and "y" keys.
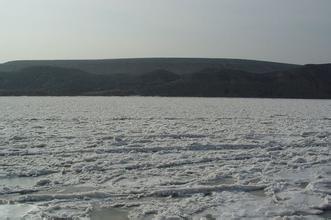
{"x": 296, "y": 31}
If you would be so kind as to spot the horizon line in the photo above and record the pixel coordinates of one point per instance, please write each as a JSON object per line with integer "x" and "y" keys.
{"x": 157, "y": 57}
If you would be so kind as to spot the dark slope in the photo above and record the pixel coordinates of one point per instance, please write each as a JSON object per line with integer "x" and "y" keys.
{"x": 143, "y": 65}
{"x": 46, "y": 80}
{"x": 309, "y": 81}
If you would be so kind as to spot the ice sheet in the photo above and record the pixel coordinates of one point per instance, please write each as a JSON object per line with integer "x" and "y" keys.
{"x": 165, "y": 158}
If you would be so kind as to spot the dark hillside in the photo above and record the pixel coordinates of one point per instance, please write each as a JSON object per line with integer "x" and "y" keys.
{"x": 144, "y": 65}
{"x": 309, "y": 81}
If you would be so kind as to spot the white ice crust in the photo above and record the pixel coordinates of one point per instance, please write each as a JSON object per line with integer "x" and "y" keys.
{"x": 165, "y": 158}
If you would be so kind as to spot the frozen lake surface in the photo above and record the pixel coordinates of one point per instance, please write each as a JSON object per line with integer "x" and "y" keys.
{"x": 164, "y": 158}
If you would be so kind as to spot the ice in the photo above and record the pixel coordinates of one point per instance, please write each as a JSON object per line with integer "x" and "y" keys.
{"x": 24, "y": 182}
{"x": 109, "y": 214}
{"x": 321, "y": 186}
{"x": 165, "y": 158}
{"x": 177, "y": 192}
{"x": 17, "y": 212}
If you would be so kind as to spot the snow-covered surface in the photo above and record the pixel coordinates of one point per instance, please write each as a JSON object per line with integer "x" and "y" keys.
{"x": 164, "y": 158}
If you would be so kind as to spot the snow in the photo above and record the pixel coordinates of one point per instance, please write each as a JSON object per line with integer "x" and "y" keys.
{"x": 164, "y": 158}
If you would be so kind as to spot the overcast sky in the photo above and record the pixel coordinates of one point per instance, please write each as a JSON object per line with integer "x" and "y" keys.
{"x": 294, "y": 31}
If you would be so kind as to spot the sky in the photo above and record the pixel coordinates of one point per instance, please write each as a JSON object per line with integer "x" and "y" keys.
{"x": 292, "y": 31}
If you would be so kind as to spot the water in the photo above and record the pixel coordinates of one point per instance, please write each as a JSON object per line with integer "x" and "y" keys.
{"x": 166, "y": 157}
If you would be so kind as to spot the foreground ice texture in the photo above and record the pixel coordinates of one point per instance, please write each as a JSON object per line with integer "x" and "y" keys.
{"x": 164, "y": 158}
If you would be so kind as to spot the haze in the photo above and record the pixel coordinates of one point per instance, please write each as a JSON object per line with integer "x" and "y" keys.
{"x": 295, "y": 31}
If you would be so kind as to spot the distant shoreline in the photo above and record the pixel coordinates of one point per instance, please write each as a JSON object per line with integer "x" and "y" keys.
{"x": 166, "y": 78}
{"x": 137, "y": 96}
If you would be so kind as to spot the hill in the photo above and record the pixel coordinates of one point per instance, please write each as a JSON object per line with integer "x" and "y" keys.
{"x": 308, "y": 81}
{"x": 144, "y": 65}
